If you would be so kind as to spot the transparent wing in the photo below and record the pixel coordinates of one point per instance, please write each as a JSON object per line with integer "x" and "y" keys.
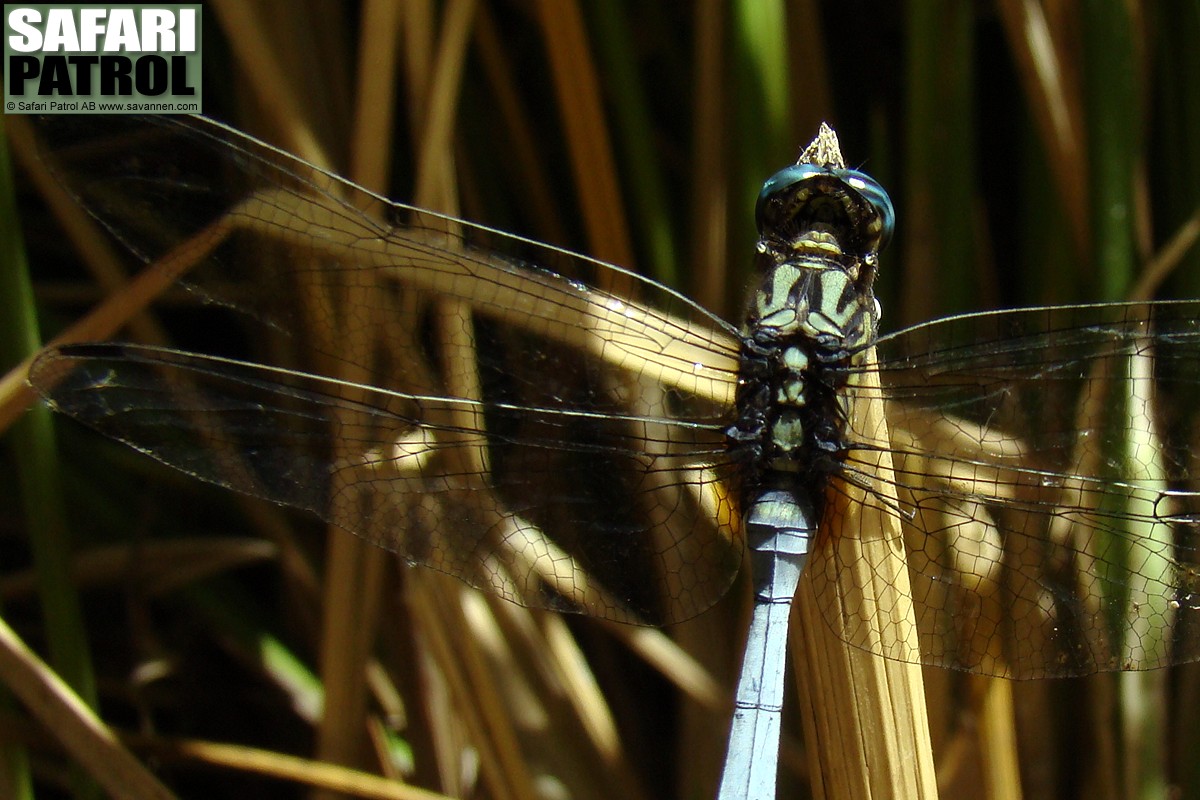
{"x": 1046, "y": 473}
{"x": 473, "y": 401}
{"x": 428, "y": 387}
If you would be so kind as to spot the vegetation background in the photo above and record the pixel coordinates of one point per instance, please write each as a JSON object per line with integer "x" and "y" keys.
{"x": 1037, "y": 152}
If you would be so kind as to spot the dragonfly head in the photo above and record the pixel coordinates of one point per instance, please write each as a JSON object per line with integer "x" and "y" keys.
{"x": 847, "y": 203}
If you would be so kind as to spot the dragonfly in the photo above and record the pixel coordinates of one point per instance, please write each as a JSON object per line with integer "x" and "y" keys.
{"x": 571, "y": 435}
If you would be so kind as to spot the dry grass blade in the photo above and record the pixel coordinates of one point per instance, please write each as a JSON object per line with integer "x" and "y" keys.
{"x": 313, "y": 774}
{"x": 595, "y": 172}
{"x": 1056, "y": 100}
{"x": 676, "y": 664}
{"x": 997, "y": 745}
{"x": 108, "y": 317}
{"x": 1168, "y": 258}
{"x": 84, "y": 735}
{"x": 355, "y": 578}
{"x": 619, "y": 331}
{"x": 126, "y": 301}
{"x": 864, "y": 716}
{"x": 709, "y": 213}
{"x": 375, "y": 111}
{"x": 273, "y": 85}
{"x": 167, "y": 565}
{"x": 473, "y": 695}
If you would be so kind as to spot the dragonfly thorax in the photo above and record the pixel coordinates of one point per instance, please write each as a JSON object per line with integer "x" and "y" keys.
{"x": 805, "y": 323}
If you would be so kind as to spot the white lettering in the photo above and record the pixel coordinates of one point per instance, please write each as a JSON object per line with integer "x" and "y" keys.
{"x": 101, "y": 29}
{"x": 187, "y": 30}
{"x": 28, "y": 38}
{"x": 122, "y": 35}
{"x": 157, "y": 30}
{"x": 60, "y": 32}
{"x": 91, "y": 25}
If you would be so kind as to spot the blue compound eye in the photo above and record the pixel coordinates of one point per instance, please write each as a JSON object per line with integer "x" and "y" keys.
{"x": 780, "y": 182}
{"x": 878, "y": 197}
{"x": 795, "y": 192}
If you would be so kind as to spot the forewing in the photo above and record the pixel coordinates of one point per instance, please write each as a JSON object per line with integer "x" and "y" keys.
{"x": 466, "y": 398}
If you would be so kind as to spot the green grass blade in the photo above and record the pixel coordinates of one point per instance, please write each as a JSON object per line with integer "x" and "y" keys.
{"x": 634, "y": 137}
{"x": 32, "y": 443}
